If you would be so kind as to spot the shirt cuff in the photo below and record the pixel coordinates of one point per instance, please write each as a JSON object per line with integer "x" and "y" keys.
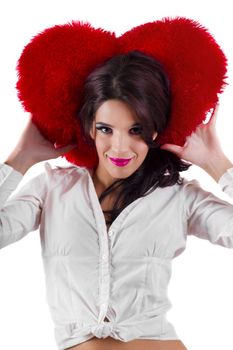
{"x": 8, "y": 171}
{"x": 226, "y": 178}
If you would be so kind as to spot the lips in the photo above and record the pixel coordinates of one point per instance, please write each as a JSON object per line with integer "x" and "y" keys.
{"x": 120, "y": 161}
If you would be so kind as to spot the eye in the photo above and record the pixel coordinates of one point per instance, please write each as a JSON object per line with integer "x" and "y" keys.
{"x": 137, "y": 130}
{"x": 102, "y": 128}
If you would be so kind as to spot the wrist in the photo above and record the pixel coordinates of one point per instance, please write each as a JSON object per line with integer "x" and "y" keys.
{"x": 20, "y": 161}
{"x": 217, "y": 165}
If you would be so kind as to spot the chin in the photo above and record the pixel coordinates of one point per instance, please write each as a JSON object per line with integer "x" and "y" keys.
{"x": 121, "y": 173}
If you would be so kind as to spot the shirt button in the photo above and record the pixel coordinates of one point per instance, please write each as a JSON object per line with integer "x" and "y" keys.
{"x": 104, "y": 257}
{"x": 110, "y": 232}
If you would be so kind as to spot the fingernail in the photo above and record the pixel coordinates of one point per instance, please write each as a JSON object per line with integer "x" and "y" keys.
{"x": 56, "y": 145}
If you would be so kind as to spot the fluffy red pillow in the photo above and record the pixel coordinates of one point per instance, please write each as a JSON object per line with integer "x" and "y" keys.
{"x": 53, "y": 67}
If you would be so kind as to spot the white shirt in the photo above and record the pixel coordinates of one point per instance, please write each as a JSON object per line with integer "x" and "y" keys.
{"x": 121, "y": 274}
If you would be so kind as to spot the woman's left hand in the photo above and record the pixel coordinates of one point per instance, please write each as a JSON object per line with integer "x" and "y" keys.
{"x": 203, "y": 148}
{"x": 200, "y": 145}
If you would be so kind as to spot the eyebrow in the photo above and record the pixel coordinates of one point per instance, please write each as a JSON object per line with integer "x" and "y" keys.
{"x": 105, "y": 124}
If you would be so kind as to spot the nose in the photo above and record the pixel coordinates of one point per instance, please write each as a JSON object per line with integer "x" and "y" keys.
{"x": 120, "y": 144}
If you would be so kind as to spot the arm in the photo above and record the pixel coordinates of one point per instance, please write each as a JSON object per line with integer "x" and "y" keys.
{"x": 21, "y": 213}
{"x": 203, "y": 149}
{"x": 33, "y": 148}
{"x": 207, "y": 216}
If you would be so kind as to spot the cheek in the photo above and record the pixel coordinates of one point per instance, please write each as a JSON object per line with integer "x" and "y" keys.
{"x": 100, "y": 144}
{"x": 141, "y": 149}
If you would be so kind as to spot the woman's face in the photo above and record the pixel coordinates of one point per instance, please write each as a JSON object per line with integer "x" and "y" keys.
{"x": 120, "y": 138}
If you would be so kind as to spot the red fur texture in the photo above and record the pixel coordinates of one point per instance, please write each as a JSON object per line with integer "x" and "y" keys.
{"x": 53, "y": 66}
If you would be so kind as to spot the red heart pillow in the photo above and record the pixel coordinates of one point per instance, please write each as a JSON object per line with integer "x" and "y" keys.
{"x": 53, "y": 67}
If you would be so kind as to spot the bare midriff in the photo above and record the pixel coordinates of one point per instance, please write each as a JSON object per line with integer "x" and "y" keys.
{"x": 137, "y": 344}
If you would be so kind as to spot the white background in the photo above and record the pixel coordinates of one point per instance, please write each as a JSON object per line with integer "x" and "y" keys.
{"x": 201, "y": 287}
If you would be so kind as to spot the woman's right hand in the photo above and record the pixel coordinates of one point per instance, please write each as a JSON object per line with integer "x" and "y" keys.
{"x": 32, "y": 148}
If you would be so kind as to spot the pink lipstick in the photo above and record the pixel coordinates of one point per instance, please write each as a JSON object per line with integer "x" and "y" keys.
{"x": 120, "y": 161}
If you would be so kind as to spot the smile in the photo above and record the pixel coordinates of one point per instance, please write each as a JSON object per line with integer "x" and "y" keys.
{"x": 120, "y": 161}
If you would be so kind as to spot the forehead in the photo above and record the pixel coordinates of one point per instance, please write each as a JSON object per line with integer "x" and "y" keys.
{"x": 115, "y": 112}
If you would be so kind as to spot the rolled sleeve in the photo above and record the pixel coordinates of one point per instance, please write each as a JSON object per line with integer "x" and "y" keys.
{"x": 19, "y": 214}
{"x": 209, "y": 217}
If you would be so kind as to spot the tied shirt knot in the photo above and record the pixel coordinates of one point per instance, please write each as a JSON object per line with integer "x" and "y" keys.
{"x": 102, "y": 330}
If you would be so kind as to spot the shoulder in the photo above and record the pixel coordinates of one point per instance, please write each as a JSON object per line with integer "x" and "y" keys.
{"x": 53, "y": 169}
{"x": 188, "y": 184}
{"x": 181, "y": 187}
{"x": 182, "y": 191}
{"x": 56, "y": 174}
{"x": 189, "y": 189}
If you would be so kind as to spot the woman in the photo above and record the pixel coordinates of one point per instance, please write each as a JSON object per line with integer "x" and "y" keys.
{"x": 107, "y": 275}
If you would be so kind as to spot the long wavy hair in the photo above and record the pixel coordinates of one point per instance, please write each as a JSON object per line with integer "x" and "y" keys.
{"x": 140, "y": 81}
